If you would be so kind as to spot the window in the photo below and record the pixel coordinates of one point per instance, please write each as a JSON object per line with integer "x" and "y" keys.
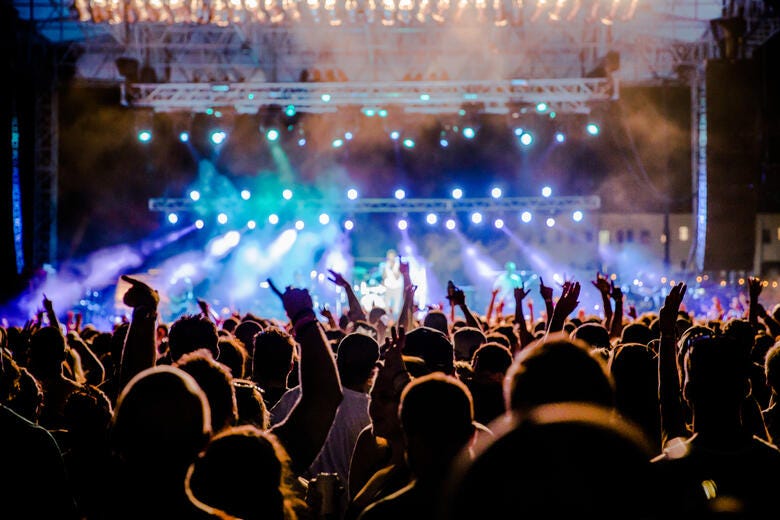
{"x": 619, "y": 236}
{"x": 644, "y": 236}
{"x": 604, "y": 237}
{"x": 683, "y": 233}
{"x": 629, "y": 235}
{"x": 766, "y": 237}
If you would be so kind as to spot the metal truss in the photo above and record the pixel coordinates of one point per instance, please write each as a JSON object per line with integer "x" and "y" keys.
{"x": 550, "y": 205}
{"x": 563, "y": 95}
{"x": 46, "y": 167}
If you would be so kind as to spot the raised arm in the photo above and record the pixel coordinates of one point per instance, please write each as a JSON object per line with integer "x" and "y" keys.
{"x": 669, "y": 390}
{"x": 525, "y": 335}
{"x": 547, "y": 295}
{"x": 565, "y": 306}
{"x": 457, "y": 298}
{"x": 604, "y": 288}
{"x": 616, "y": 325}
{"x": 491, "y": 305}
{"x": 406, "y": 316}
{"x": 48, "y": 307}
{"x": 754, "y": 290}
{"x": 139, "y": 351}
{"x": 356, "y": 311}
{"x": 304, "y": 430}
{"x": 771, "y": 323}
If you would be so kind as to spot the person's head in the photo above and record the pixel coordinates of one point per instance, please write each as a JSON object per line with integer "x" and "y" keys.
{"x": 432, "y": 347}
{"x": 466, "y": 340}
{"x": 436, "y": 319}
{"x": 376, "y": 314}
{"x": 87, "y": 415}
{"x": 437, "y": 419}
{"x": 9, "y": 376}
{"x": 245, "y": 332}
{"x": 492, "y": 359}
{"x": 510, "y": 267}
{"x": 243, "y": 472}
{"x": 215, "y": 380}
{"x": 47, "y": 351}
{"x": 365, "y": 328}
{"x": 561, "y": 460}
{"x": 274, "y": 351}
{"x": 161, "y": 421}
{"x": 230, "y": 324}
{"x": 557, "y": 369}
{"x": 594, "y": 334}
{"x": 509, "y": 332}
{"x": 391, "y": 254}
{"x": 716, "y": 374}
{"x": 191, "y": 332}
{"x": 636, "y": 332}
{"x": 250, "y": 404}
{"x": 233, "y": 355}
{"x": 356, "y": 359}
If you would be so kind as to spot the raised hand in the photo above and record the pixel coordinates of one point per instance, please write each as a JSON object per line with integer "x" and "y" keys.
{"x": 337, "y": 278}
{"x": 616, "y": 292}
{"x": 521, "y": 293}
{"x": 754, "y": 288}
{"x": 569, "y": 299}
{"x": 667, "y": 316}
{"x": 602, "y": 284}
{"x": 140, "y": 294}
{"x": 394, "y": 369}
{"x": 546, "y": 292}
{"x": 325, "y": 313}
{"x": 455, "y": 295}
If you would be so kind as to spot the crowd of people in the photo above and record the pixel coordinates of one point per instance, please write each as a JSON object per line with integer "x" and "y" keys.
{"x": 388, "y": 413}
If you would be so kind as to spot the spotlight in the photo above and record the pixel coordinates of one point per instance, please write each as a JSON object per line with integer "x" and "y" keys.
{"x": 519, "y": 132}
{"x": 289, "y": 111}
{"x": 450, "y": 224}
{"x": 546, "y": 191}
{"x": 352, "y": 194}
{"x": 324, "y": 219}
{"x": 431, "y": 218}
{"x": 394, "y": 135}
{"x": 444, "y": 143}
{"x": 403, "y": 224}
{"x": 400, "y": 194}
{"x": 218, "y": 136}
{"x": 199, "y": 223}
{"x": 251, "y": 224}
{"x": 173, "y": 218}
{"x": 195, "y": 195}
{"x": 526, "y": 139}
{"x": 299, "y": 225}
{"x": 184, "y": 137}
{"x": 541, "y": 107}
{"x": 408, "y": 143}
{"x": 337, "y": 143}
{"x": 559, "y": 137}
{"x": 499, "y": 223}
{"x": 592, "y": 129}
{"x": 273, "y": 219}
{"x": 369, "y": 112}
{"x": 144, "y": 136}
{"x": 287, "y": 194}
{"x": 382, "y": 113}
{"x": 476, "y": 217}
{"x": 469, "y": 132}
{"x": 325, "y": 98}
{"x": 245, "y": 194}
{"x": 457, "y": 193}
{"x": 222, "y": 218}
{"x": 272, "y": 135}
{"x": 496, "y": 193}
{"x": 348, "y": 136}
{"x": 349, "y": 225}
{"x": 302, "y": 141}
{"x": 577, "y": 216}
{"x": 550, "y": 222}
{"x": 526, "y": 216}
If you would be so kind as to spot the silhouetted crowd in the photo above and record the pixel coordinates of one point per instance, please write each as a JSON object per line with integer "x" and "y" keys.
{"x": 447, "y": 414}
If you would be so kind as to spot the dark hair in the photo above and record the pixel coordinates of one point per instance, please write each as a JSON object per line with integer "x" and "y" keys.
{"x": 215, "y": 380}
{"x": 493, "y": 358}
{"x": 191, "y": 332}
{"x": 356, "y": 357}
{"x": 274, "y": 351}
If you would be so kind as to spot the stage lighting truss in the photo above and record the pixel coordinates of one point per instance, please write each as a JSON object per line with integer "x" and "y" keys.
{"x": 567, "y": 95}
{"x": 486, "y": 205}
{"x": 349, "y": 12}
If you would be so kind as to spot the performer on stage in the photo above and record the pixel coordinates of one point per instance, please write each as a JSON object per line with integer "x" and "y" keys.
{"x": 393, "y": 282}
{"x": 507, "y": 282}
